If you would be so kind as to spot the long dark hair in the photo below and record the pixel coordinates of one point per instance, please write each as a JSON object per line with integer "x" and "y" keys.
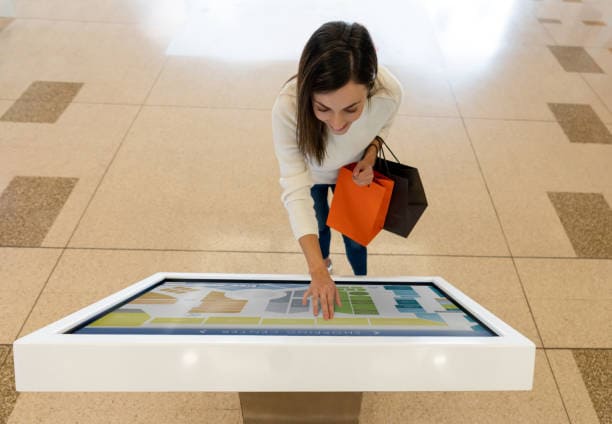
{"x": 336, "y": 53}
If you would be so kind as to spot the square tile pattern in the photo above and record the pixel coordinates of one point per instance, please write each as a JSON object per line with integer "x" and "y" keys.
{"x": 29, "y": 206}
{"x": 42, "y": 102}
{"x": 549, "y": 21}
{"x": 575, "y": 59}
{"x": 594, "y": 23}
{"x": 596, "y": 368}
{"x": 587, "y": 219}
{"x": 580, "y": 123}
{"x": 8, "y": 395}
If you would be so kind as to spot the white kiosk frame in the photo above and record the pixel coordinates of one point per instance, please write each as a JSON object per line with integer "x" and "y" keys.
{"x": 51, "y": 360}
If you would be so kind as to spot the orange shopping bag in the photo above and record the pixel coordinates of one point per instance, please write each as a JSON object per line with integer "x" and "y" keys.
{"x": 359, "y": 212}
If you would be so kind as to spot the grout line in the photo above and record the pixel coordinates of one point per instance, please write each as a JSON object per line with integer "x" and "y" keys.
{"x": 552, "y": 371}
{"x": 295, "y": 252}
{"x": 596, "y": 94}
{"x": 110, "y": 163}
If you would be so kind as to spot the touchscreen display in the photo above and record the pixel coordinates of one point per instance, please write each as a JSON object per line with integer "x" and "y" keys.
{"x": 259, "y": 307}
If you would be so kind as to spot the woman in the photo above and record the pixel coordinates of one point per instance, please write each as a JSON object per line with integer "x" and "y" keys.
{"x": 327, "y": 116}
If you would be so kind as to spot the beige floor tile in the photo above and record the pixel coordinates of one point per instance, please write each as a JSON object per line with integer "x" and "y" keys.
{"x": 186, "y": 179}
{"x": 23, "y": 273}
{"x": 141, "y": 408}
{"x": 85, "y": 276}
{"x": 569, "y": 380}
{"x": 519, "y": 84}
{"x": 150, "y": 12}
{"x": 427, "y": 91}
{"x": 195, "y": 81}
{"x": 522, "y": 162}
{"x": 570, "y": 300}
{"x": 573, "y": 323}
{"x": 121, "y": 69}
{"x": 601, "y": 83}
{"x": 5, "y": 105}
{"x": 540, "y": 405}
{"x": 80, "y": 145}
{"x": 492, "y": 282}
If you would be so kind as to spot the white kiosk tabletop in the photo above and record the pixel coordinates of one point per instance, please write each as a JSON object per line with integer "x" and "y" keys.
{"x": 251, "y": 333}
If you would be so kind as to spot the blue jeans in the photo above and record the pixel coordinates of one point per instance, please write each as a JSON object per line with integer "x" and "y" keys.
{"x": 357, "y": 254}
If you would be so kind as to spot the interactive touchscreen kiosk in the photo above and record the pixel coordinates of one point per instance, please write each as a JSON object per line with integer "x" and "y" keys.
{"x": 252, "y": 333}
{"x": 259, "y": 308}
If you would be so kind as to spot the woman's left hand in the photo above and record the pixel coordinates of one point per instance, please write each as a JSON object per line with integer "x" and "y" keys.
{"x": 363, "y": 173}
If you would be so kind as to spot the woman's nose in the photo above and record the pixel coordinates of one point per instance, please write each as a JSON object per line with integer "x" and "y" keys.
{"x": 336, "y": 122}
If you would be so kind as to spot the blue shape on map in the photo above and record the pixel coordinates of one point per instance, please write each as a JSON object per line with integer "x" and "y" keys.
{"x": 430, "y": 317}
{"x": 401, "y": 290}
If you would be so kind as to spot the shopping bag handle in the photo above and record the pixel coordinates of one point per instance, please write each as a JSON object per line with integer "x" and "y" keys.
{"x": 383, "y": 144}
{"x": 381, "y": 153}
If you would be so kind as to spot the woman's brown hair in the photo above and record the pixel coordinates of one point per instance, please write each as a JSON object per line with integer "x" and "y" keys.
{"x": 336, "y": 53}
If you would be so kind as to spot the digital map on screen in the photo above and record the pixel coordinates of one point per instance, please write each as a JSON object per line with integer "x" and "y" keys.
{"x": 275, "y": 308}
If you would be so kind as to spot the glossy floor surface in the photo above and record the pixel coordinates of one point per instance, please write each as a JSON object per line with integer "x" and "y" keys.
{"x": 135, "y": 137}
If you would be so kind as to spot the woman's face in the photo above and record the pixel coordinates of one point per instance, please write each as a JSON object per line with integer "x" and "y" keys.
{"x": 340, "y": 108}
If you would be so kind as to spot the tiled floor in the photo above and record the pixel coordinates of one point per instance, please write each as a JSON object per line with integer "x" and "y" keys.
{"x": 135, "y": 137}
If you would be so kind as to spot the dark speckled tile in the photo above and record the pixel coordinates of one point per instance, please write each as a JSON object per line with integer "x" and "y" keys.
{"x": 575, "y": 59}
{"x": 594, "y": 23}
{"x": 8, "y": 395}
{"x": 587, "y": 219}
{"x": 549, "y": 21}
{"x": 4, "y": 22}
{"x": 596, "y": 368}
{"x": 51, "y": 91}
{"x": 42, "y": 102}
{"x": 4, "y": 350}
{"x": 29, "y": 206}
{"x": 34, "y": 112}
{"x": 580, "y": 123}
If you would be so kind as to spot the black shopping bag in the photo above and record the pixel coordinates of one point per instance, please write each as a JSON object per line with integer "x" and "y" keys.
{"x": 408, "y": 200}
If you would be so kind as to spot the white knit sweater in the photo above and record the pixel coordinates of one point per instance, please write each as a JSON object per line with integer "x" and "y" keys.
{"x": 298, "y": 174}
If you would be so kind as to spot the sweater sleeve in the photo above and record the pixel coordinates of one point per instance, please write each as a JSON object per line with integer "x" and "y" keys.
{"x": 393, "y": 89}
{"x": 295, "y": 179}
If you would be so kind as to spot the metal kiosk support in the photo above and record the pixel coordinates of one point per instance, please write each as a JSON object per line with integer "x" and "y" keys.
{"x": 251, "y": 334}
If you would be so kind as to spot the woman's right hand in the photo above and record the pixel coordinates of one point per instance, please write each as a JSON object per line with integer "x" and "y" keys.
{"x": 323, "y": 293}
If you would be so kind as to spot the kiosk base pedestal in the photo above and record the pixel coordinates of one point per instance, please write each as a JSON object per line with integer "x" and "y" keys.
{"x": 300, "y": 407}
